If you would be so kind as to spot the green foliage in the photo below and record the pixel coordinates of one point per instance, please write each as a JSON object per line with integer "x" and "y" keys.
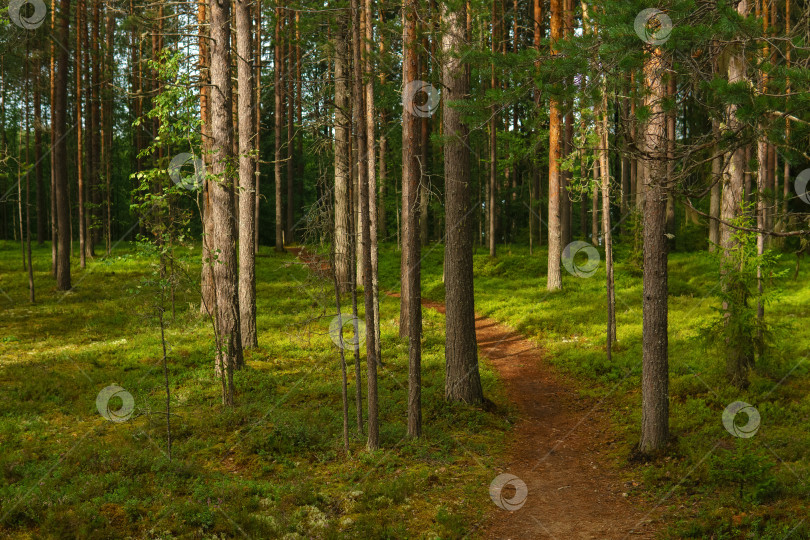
{"x": 745, "y": 469}
{"x": 156, "y": 195}
{"x": 748, "y": 284}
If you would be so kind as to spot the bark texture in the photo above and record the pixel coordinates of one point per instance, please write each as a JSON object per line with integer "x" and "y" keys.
{"x": 229, "y": 346}
{"x": 655, "y": 366}
{"x": 462, "y": 379}
{"x": 554, "y": 277}
{"x": 247, "y": 177}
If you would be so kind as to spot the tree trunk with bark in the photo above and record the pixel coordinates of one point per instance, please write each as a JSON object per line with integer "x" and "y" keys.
{"x": 343, "y": 254}
{"x": 42, "y": 214}
{"x": 289, "y": 222}
{"x": 53, "y": 71}
{"x": 604, "y": 168}
{"x": 462, "y": 379}
{"x": 364, "y": 164}
{"x": 247, "y": 176}
{"x": 229, "y": 343}
{"x": 554, "y": 277}
{"x": 278, "y": 117}
{"x": 493, "y": 145}
{"x": 79, "y": 133}
{"x": 716, "y": 190}
{"x": 410, "y": 226}
{"x": 59, "y": 151}
{"x": 207, "y": 272}
{"x": 655, "y": 363}
{"x": 372, "y": 173}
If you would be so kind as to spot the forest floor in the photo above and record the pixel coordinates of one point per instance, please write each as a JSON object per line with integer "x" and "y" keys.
{"x": 709, "y": 482}
{"x": 555, "y": 448}
{"x": 273, "y": 466}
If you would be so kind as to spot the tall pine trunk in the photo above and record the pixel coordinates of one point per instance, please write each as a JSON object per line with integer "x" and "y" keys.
{"x": 372, "y": 176}
{"x": 364, "y": 164}
{"x": 343, "y": 255}
{"x": 462, "y": 379}
{"x": 655, "y": 363}
{"x": 229, "y": 346}
{"x": 278, "y": 117}
{"x": 716, "y": 188}
{"x": 42, "y": 213}
{"x": 59, "y": 151}
{"x": 410, "y": 226}
{"x": 247, "y": 176}
{"x": 554, "y": 278}
{"x": 80, "y": 134}
{"x": 207, "y": 273}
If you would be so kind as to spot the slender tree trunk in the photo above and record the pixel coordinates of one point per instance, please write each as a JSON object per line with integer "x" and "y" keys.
{"x": 536, "y": 206}
{"x": 299, "y": 113}
{"x": 786, "y": 178}
{"x": 53, "y": 71}
{"x": 381, "y": 214}
{"x": 655, "y": 366}
{"x": 27, "y": 175}
{"x": 734, "y": 178}
{"x": 583, "y": 205}
{"x": 79, "y": 134}
{"x": 344, "y": 394}
{"x": 625, "y": 169}
{"x": 109, "y": 70}
{"x": 95, "y": 130}
{"x": 567, "y": 139}
{"x": 343, "y": 255}
{"x": 89, "y": 151}
{"x": 462, "y": 380}
{"x": 595, "y": 236}
{"x": 365, "y": 165}
{"x": 42, "y": 213}
{"x": 671, "y": 223}
{"x": 289, "y": 223}
{"x": 372, "y": 176}
{"x": 19, "y": 192}
{"x": 636, "y": 164}
{"x": 358, "y": 143}
{"x": 604, "y": 168}
{"x": 410, "y": 244}
{"x": 229, "y": 346}
{"x": 358, "y": 377}
{"x": 59, "y": 151}
{"x": 493, "y": 144}
{"x": 554, "y": 278}
{"x": 716, "y": 183}
{"x": 247, "y": 176}
{"x": 208, "y": 257}
{"x": 278, "y": 115}
{"x": 257, "y": 121}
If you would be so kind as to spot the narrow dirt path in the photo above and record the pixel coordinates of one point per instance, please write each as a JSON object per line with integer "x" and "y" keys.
{"x": 558, "y": 449}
